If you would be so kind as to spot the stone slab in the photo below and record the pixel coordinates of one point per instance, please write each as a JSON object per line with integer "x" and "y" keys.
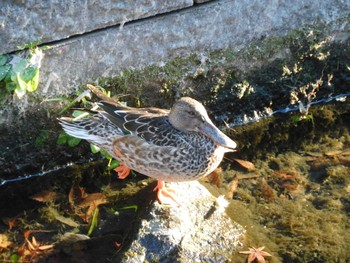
{"x": 22, "y": 22}
{"x": 215, "y": 25}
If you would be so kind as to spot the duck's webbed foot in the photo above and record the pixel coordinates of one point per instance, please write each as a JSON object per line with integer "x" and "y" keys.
{"x": 166, "y": 195}
{"x": 122, "y": 170}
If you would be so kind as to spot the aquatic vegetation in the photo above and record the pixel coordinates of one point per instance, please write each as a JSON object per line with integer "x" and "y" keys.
{"x": 301, "y": 205}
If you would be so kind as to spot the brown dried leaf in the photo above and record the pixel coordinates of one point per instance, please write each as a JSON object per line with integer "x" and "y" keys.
{"x": 76, "y": 194}
{"x": 31, "y": 246}
{"x": 45, "y": 247}
{"x": 82, "y": 216}
{"x": 93, "y": 205}
{"x": 4, "y": 242}
{"x": 94, "y": 198}
{"x": 27, "y": 234}
{"x": 333, "y": 153}
{"x": 267, "y": 192}
{"x": 232, "y": 187}
{"x": 34, "y": 242}
{"x": 246, "y": 164}
{"x": 315, "y": 154}
{"x": 11, "y": 222}
{"x": 344, "y": 161}
{"x": 44, "y": 196}
{"x": 347, "y": 152}
{"x": 90, "y": 213}
{"x": 215, "y": 177}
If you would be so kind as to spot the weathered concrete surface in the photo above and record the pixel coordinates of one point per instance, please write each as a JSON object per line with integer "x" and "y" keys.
{"x": 197, "y": 231}
{"x": 22, "y": 22}
{"x": 215, "y": 25}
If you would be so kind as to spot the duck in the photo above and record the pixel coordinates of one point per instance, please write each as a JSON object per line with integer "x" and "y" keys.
{"x": 177, "y": 145}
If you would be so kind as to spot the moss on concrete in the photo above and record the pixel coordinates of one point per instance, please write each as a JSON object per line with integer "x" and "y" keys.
{"x": 236, "y": 81}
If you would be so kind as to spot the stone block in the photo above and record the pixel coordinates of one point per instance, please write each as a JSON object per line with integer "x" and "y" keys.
{"x": 213, "y": 26}
{"x": 22, "y": 22}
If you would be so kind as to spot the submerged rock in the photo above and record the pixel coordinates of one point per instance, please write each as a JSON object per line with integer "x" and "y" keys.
{"x": 197, "y": 231}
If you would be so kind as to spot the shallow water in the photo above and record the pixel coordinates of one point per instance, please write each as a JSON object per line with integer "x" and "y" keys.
{"x": 299, "y": 207}
{"x": 295, "y": 202}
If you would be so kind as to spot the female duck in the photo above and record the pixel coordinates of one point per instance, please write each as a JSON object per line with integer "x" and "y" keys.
{"x": 173, "y": 146}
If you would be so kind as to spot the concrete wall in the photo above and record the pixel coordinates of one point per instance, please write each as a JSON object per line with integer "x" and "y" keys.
{"x": 93, "y": 39}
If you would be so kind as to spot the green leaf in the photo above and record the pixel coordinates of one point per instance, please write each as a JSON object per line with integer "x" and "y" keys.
{"x": 79, "y": 113}
{"x": 21, "y": 87}
{"x": 28, "y": 74}
{"x": 34, "y": 82}
{"x": 106, "y": 154}
{"x": 309, "y": 117}
{"x": 135, "y": 207}
{"x": 62, "y": 138}
{"x": 94, "y": 148}
{"x": 295, "y": 118}
{"x": 4, "y": 70}
{"x": 11, "y": 86}
{"x": 72, "y": 141}
{"x": 20, "y": 65}
{"x": 9, "y": 75}
{"x": 28, "y": 80}
{"x": 94, "y": 221}
{"x": 113, "y": 164}
{"x": 70, "y": 105}
{"x": 3, "y": 60}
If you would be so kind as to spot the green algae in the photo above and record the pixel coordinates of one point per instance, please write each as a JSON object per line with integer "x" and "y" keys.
{"x": 306, "y": 219}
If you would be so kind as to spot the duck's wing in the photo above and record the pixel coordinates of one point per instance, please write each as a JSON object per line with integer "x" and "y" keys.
{"x": 150, "y": 124}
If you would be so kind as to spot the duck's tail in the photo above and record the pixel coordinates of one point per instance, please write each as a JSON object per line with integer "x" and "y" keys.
{"x": 96, "y": 129}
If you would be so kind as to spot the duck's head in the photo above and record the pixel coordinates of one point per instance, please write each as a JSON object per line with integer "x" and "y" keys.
{"x": 189, "y": 115}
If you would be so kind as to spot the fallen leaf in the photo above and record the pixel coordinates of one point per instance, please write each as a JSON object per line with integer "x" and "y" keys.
{"x": 315, "y": 154}
{"x": 27, "y": 234}
{"x": 11, "y": 222}
{"x": 344, "y": 161}
{"x": 333, "y": 153}
{"x": 45, "y": 247}
{"x": 232, "y": 188}
{"x": 215, "y": 177}
{"x": 76, "y": 194}
{"x": 44, "y": 196}
{"x": 345, "y": 153}
{"x": 267, "y": 192}
{"x": 92, "y": 199}
{"x": 4, "y": 242}
{"x": 246, "y": 164}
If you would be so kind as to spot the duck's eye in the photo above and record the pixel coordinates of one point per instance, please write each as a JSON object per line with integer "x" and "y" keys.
{"x": 191, "y": 113}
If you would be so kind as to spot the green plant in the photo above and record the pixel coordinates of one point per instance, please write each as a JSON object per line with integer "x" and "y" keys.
{"x": 64, "y": 138}
{"x": 20, "y": 73}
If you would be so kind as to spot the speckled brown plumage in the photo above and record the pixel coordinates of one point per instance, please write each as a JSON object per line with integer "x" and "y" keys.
{"x": 178, "y": 145}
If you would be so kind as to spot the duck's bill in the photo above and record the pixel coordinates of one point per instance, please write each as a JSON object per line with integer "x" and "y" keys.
{"x": 210, "y": 130}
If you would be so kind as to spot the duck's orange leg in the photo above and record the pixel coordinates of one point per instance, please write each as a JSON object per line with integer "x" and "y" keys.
{"x": 166, "y": 195}
{"x": 122, "y": 170}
